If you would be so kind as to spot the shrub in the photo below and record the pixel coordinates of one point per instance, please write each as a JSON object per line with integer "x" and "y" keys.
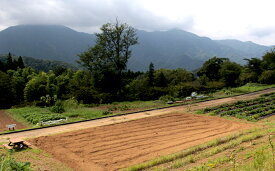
{"x": 70, "y": 104}
{"x": 58, "y": 107}
{"x": 106, "y": 112}
{"x": 166, "y": 98}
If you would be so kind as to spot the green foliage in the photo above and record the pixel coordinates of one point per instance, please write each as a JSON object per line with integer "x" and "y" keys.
{"x": 108, "y": 80}
{"x": 107, "y": 60}
{"x": 151, "y": 71}
{"x": 8, "y": 163}
{"x": 211, "y": 68}
{"x": 106, "y": 112}
{"x": 166, "y": 98}
{"x": 58, "y": 107}
{"x": 248, "y": 109}
{"x": 230, "y": 72}
{"x": 35, "y": 115}
{"x": 7, "y": 96}
{"x": 267, "y": 77}
{"x": 269, "y": 60}
{"x": 70, "y": 104}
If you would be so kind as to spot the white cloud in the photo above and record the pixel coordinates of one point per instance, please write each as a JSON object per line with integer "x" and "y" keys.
{"x": 247, "y": 20}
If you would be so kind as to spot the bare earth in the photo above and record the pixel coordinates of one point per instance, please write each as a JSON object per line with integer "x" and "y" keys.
{"x": 103, "y": 145}
{"x": 6, "y": 120}
{"x": 120, "y": 145}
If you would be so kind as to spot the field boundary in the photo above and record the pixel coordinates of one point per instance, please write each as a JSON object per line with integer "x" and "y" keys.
{"x": 123, "y": 114}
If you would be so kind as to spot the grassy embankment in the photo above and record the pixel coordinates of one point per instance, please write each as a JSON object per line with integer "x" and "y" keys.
{"x": 32, "y": 115}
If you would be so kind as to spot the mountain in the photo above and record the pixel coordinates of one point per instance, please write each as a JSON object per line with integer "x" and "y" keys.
{"x": 249, "y": 48}
{"x": 40, "y": 64}
{"x": 166, "y": 49}
{"x": 52, "y": 42}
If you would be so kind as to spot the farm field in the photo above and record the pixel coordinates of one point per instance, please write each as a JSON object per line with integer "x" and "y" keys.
{"x": 111, "y": 145}
{"x": 248, "y": 150}
{"x": 32, "y": 116}
{"x": 120, "y": 145}
{"x": 117, "y": 119}
{"x": 252, "y": 110}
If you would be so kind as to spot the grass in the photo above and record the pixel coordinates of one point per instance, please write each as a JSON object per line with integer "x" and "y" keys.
{"x": 214, "y": 151}
{"x": 32, "y": 115}
{"x": 183, "y": 157}
{"x": 7, "y": 162}
{"x": 247, "y": 88}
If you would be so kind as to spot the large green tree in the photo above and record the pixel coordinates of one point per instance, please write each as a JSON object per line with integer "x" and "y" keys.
{"x": 230, "y": 72}
{"x": 211, "y": 68}
{"x": 269, "y": 60}
{"x": 107, "y": 59}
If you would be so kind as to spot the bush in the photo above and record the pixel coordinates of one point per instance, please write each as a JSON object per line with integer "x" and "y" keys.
{"x": 166, "y": 98}
{"x": 58, "y": 107}
{"x": 70, "y": 104}
{"x": 106, "y": 112}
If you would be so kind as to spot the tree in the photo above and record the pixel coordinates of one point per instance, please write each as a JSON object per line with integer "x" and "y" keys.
{"x": 10, "y": 64}
{"x": 267, "y": 77}
{"x": 269, "y": 60}
{"x": 20, "y": 63}
{"x": 6, "y": 91}
{"x": 211, "y": 68}
{"x": 151, "y": 74}
{"x": 2, "y": 66}
{"x": 109, "y": 56}
{"x": 161, "y": 80}
{"x": 254, "y": 65}
{"x": 230, "y": 72}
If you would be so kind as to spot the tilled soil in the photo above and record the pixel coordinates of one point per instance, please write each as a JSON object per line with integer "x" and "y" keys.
{"x": 120, "y": 145}
{"x": 113, "y": 143}
{"x": 7, "y": 120}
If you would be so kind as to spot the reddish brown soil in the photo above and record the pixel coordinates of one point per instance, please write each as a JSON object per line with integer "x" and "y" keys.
{"x": 120, "y": 145}
{"x": 6, "y": 120}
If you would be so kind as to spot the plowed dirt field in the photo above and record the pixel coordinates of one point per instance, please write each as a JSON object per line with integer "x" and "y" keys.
{"x": 120, "y": 145}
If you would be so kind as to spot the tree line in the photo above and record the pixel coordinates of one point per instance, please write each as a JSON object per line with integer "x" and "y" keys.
{"x": 105, "y": 77}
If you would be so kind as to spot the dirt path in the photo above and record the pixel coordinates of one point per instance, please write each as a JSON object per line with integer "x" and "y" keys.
{"x": 6, "y": 120}
{"x": 118, "y": 119}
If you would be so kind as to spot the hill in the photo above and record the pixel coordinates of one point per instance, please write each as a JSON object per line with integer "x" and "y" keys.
{"x": 166, "y": 49}
{"x": 40, "y": 64}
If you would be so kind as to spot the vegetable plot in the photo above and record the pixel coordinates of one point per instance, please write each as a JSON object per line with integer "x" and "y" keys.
{"x": 251, "y": 110}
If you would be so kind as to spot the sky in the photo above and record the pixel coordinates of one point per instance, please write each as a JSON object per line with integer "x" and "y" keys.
{"x": 245, "y": 20}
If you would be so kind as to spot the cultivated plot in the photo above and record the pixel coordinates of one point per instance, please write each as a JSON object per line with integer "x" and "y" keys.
{"x": 120, "y": 145}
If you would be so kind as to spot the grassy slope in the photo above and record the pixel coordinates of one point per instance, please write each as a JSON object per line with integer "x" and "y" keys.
{"x": 31, "y": 115}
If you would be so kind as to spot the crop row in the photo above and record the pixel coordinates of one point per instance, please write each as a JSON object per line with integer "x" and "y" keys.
{"x": 241, "y": 104}
{"x": 249, "y": 109}
{"x": 38, "y": 117}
